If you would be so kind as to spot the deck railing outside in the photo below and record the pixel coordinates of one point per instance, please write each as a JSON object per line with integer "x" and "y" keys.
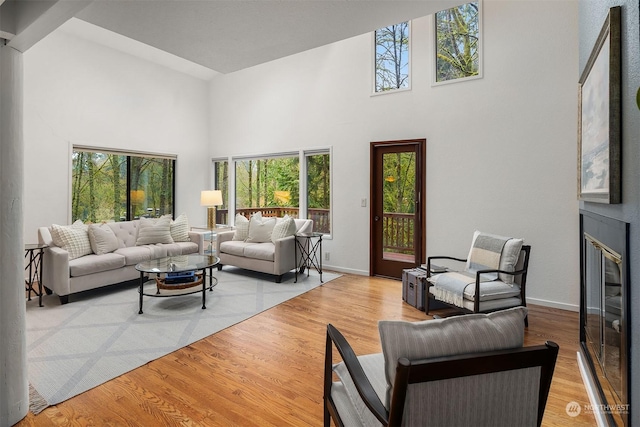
{"x": 320, "y": 217}
{"x": 397, "y": 233}
{"x": 397, "y": 236}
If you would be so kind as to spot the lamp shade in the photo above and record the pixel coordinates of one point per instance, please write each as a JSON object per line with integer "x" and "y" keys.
{"x": 211, "y": 198}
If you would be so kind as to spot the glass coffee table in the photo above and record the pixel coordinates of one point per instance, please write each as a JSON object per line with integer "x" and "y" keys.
{"x": 163, "y": 286}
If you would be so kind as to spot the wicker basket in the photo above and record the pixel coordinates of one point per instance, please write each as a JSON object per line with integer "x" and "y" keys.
{"x": 160, "y": 282}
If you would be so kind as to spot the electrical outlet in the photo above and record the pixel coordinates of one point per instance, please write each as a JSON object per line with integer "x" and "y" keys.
{"x": 326, "y": 256}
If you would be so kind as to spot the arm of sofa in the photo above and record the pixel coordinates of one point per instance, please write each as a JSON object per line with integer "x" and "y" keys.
{"x": 199, "y": 237}
{"x": 55, "y": 264}
{"x": 55, "y": 270}
{"x": 284, "y": 255}
{"x": 223, "y": 236}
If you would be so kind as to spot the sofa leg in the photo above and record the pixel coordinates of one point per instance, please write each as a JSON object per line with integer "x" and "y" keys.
{"x": 219, "y": 267}
{"x": 64, "y": 299}
{"x": 279, "y": 279}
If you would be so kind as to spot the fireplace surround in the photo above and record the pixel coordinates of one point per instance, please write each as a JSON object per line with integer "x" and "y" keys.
{"x": 605, "y": 333}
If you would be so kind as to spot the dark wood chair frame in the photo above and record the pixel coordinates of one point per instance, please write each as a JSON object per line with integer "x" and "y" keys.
{"x": 425, "y": 370}
{"x": 526, "y": 249}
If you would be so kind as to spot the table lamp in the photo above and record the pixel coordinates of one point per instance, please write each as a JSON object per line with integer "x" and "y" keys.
{"x": 211, "y": 199}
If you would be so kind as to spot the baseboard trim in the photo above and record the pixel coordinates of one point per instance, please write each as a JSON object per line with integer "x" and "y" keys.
{"x": 345, "y": 270}
{"x": 553, "y": 304}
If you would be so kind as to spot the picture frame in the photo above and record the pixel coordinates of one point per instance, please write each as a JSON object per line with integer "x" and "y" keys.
{"x": 599, "y": 109}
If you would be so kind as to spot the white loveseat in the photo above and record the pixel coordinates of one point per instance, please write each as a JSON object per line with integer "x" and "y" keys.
{"x": 114, "y": 250}
{"x": 253, "y": 247}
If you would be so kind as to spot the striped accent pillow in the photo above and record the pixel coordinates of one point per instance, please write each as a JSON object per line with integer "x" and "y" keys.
{"x": 151, "y": 231}
{"x": 180, "y": 229}
{"x": 284, "y": 228}
{"x": 72, "y": 238}
{"x": 471, "y": 333}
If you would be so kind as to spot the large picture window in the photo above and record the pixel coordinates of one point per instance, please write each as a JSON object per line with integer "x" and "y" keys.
{"x": 110, "y": 186}
{"x": 270, "y": 184}
{"x": 458, "y": 47}
{"x": 392, "y": 58}
{"x": 297, "y": 184}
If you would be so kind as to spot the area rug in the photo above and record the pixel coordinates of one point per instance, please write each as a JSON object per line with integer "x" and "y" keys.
{"x": 99, "y": 335}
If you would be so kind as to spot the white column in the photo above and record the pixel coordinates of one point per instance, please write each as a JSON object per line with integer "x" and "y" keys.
{"x": 14, "y": 387}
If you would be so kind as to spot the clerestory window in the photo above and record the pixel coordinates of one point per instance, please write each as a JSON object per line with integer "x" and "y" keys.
{"x": 392, "y": 56}
{"x": 457, "y": 43}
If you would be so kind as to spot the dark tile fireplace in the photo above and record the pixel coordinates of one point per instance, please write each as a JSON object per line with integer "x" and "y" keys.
{"x": 605, "y": 333}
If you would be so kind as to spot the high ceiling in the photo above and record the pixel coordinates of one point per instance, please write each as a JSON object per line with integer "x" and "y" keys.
{"x": 230, "y": 35}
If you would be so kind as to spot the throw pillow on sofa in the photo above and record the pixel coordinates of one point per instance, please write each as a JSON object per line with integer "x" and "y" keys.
{"x": 72, "y": 238}
{"x": 102, "y": 238}
{"x": 180, "y": 229}
{"x": 284, "y": 228}
{"x": 242, "y": 227}
{"x": 260, "y": 229}
{"x": 152, "y": 231}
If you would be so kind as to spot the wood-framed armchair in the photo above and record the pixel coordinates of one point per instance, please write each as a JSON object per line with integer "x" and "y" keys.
{"x": 505, "y": 385}
{"x": 478, "y": 288}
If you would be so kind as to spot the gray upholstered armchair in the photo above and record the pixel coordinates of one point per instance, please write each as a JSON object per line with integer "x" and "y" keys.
{"x": 494, "y": 276}
{"x": 460, "y": 371}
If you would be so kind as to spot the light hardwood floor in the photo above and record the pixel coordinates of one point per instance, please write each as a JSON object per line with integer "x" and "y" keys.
{"x": 267, "y": 370}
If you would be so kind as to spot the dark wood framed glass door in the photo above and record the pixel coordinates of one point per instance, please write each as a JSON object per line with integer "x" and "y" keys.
{"x": 397, "y": 228}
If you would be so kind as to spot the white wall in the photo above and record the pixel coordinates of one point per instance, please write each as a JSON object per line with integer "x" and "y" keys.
{"x": 79, "y": 92}
{"x": 501, "y": 150}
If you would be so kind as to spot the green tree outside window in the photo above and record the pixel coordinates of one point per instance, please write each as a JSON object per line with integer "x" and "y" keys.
{"x": 116, "y": 187}
{"x": 457, "y": 42}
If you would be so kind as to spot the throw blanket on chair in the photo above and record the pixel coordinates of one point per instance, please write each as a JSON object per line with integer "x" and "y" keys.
{"x": 449, "y": 287}
{"x": 485, "y": 254}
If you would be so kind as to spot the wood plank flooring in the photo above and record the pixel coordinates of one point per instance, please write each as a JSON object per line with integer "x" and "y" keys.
{"x": 267, "y": 370}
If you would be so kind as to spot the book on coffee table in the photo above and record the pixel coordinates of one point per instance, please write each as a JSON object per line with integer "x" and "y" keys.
{"x": 180, "y": 277}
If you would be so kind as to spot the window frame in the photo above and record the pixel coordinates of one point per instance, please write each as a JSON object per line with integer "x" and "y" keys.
{"x": 434, "y": 59}
{"x": 128, "y": 154}
{"x": 302, "y": 155}
{"x": 409, "y": 63}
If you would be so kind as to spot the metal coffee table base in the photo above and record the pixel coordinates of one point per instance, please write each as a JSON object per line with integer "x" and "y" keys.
{"x": 213, "y": 281}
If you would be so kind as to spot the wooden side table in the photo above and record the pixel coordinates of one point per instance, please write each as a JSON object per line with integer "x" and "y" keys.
{"x": 34, "y": 254}
{"x": 310, "y": 253}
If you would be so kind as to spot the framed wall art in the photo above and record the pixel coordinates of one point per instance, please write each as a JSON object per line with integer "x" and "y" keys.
{"x": 599, "y": 145}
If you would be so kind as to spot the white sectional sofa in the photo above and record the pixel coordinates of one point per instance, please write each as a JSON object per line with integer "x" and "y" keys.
{"x": 253, "y": 247}
{"x": 82, "y": 257}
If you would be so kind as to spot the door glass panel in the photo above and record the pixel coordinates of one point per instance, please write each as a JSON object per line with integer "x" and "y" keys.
{"x": 399, "y": 204}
